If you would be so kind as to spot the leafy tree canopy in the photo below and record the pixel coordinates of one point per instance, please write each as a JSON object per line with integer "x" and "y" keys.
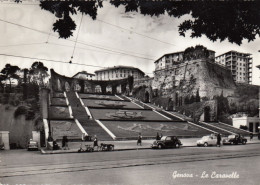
{"x": 233, "y": 20}
{"x": 38, "y": 72}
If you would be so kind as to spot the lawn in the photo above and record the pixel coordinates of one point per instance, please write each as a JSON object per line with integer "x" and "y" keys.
{"x": 149, "y": 129}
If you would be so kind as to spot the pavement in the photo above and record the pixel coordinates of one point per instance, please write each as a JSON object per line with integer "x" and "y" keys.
{"x": 129, "y": 145}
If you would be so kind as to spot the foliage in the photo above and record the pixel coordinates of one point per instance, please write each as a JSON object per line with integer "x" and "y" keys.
{"x": 232, "y": 20}
{"x": 65, "y": 25}
{"x": 24, "y": 110}
{"x": 192, "y": 53}
{"x": 38, "y": 73}
{"x": 9, "y": 73}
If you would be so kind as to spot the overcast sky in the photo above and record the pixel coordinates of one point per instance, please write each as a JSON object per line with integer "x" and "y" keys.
{"x": 107, "y": 41}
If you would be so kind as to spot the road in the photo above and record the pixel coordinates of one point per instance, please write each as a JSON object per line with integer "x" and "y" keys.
{"x": 191, "y": 165}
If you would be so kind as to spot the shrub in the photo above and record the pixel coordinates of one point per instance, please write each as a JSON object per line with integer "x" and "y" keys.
{"x": 244, "y": 127}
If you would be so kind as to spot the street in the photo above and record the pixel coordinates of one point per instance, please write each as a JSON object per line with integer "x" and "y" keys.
{"x": 190, "y": 165}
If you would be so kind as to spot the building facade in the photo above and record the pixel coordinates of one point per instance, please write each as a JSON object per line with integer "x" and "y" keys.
{"x": 84, "y": 75}
{"x": 119, "y": 72}
{"x": 252, "y": 123}
{"x": 170, "y": 60}
{"x": 240, "y": 65}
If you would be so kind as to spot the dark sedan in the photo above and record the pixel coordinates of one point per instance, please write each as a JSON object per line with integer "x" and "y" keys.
{"x": 234, "y": 139}
{"x": 167, "y": 142}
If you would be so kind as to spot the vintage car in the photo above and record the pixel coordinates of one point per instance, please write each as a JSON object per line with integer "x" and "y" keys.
{"x": 210, "y": 140}
{"x": 167, "y": 142}
{"x": 32, "y": 145}
{"x": 234, "y": 139}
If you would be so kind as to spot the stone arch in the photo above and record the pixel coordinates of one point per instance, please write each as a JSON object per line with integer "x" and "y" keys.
{"x": 146, "y": 97}
{"x": 88, "y": 88}
{"x": 207, "y": 113}
{"x": 98, "y": 89}
{"x": 118, "y": 89}
{"x": 67, "y": 87}
{"x": 109, "y": 89}
{"x": 59, "y": 85}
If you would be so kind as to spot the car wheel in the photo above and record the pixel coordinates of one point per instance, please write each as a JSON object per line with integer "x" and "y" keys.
{"x": 243, "y": 142}
{"x": 112, "y": 148}
{"x": 177, "y": 145}
{"x": 231, "y": 143}
{"x": 160, "y": 146}
{"x": 206, "y": 144}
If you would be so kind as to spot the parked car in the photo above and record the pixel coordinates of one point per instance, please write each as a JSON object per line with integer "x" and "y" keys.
{"x": 210, "y": 140}
{"x": 234, "y": 139}
{"x": 167, "y": 142}
{"x": 32, "y": 145}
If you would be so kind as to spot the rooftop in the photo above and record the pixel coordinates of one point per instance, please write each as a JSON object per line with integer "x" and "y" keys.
{"x": 119, "y": 67}
{"x": 247, "y": 54}
{"x": 83, "y": 72}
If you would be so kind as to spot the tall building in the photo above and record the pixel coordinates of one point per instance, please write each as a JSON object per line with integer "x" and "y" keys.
{"x": 84, "y": 75}
{"x": 119, "y": 72}
{"x": 240, "y": 65}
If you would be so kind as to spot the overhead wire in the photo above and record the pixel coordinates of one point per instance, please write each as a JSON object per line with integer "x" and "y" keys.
{"x": 56, "y": 61}
{"x": 102, "y": 48}
{"x": 149, "y": 37}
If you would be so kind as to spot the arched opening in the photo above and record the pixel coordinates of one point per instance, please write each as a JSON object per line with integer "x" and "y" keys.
{"x": 118, "y": 89}
{"x": 87, "y": 88}
{"x": 109, "y": 89}
{"x": 170, "y": 104}
{"x": 77, "y": 87}
{"x": 98, "y": 89}
{"x": 146, "y": 97}
{"x": 59, "y": 85}
{"x": 207, "y": 114}
{"x": 67, "y": 87}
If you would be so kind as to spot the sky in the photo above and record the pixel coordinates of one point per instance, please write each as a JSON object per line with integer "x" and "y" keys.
{"x": 114, "y": 38}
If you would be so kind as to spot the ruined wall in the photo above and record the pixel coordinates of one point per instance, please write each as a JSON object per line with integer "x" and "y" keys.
{"x": 201, "y": 74}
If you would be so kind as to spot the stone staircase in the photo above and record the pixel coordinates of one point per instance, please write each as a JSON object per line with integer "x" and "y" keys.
{"x": 79, "y": 112}
{"x": 231, "y": 128}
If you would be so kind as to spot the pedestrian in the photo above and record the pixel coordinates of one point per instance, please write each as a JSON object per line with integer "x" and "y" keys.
{"x": 218, "y": 139}
{"x": 251, "y": 136}
{"x": 139, "y": 140}
{"x": 158, "y": 136}
{"x": 95, "y": 142}
{"x": 65, "y": 143}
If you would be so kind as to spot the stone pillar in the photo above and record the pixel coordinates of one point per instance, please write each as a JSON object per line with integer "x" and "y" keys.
{"x": 4, "y": 136}
{"x": 44, "y": 102}
{"x": 36, "y": 137}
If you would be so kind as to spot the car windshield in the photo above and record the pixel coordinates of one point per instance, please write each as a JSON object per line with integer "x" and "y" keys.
{"x": 231, "y": 136}
{"x": 163, "y": 138}
{"x": 205, "y": 137}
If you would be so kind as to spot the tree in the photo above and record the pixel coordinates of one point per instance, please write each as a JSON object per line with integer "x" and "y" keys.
{"x": 197, "y": 98}
{"x": 233, "y": 20}
{"x": 38, "y": 73}
{"x": 9, "y": 73}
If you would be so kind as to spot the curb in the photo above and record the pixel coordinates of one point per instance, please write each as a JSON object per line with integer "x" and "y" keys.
{"x": 123, "y": 149}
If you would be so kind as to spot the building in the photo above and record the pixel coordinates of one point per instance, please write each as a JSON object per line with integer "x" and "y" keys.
{"x": 240, "y": 65}
{"x": 84, "y": 75}
{"x": 252, "y": 123}
{"x": 169, "y": 60}
{"x": 119, "y": 72}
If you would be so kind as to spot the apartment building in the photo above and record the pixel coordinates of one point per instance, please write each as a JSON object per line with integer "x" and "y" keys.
{"x": 119, "y": 72}
{"x": 240, "y": 65}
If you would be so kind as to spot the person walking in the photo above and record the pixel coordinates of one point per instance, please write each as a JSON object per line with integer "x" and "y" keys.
{"x": 139, "y": 140}
{"x": 95, "y": 144}
{"x": 158, "y": 136}
{"x": 251, "y": 136}
{"x": 218, "y": 139}
{"x": 65, "y": 143}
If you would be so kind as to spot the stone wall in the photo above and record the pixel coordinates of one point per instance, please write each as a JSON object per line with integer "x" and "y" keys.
{"x": 189, "y": 77}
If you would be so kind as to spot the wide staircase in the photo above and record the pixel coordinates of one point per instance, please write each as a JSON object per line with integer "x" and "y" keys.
{"x": 230, "y": 128}
{"x": 79, "y": 112}
{"x": 223, "y": 132}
